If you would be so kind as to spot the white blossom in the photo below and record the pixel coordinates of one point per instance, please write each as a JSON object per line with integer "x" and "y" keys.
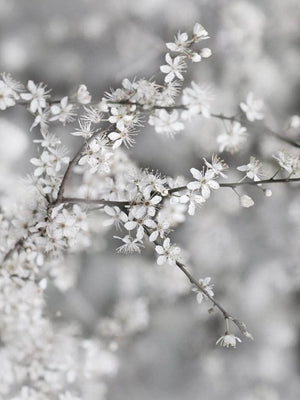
{"x": 165, "y": 122}
{"x": 207, "y": 286}
{"x": 232, "y": 139}
{"x": 204, "y": 182}
{"x": 63, "y": 112}
{"x": 36, "y": 95}
{"x": 217, "y": 165}
{"x": 131, "y": 245}
{"x": 199, "y": 32}
{"x": 180, "y": 44}
{"x": 288, "y": 162}
{"x": 197, "y": 100}
{"x": 117, "y": 216}
{"x": 7, "y": 98}
{"x": 253, "y": 108}
{"x": 246, "y": 201}
{"x": 193, "y": 199}
{"x": 167, "y": 253}
{"x": 253, "y": 169}
{"x": 174, "y": 68}
{"x": 228, "y": 340}
{"x": 83, "y": 95}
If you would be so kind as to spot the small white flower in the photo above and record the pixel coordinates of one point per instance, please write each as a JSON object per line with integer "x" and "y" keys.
{"x": 197, "y": 99}
{"x": 123, "y": 117}
{"x": 180, "y": 44}
{"x": 124, "y": 136}
{"x": 64, "y": 112}
{"x": 228, "y": 340}
{"x": 44, "y": 164}
{"x": 203, "y": 53}
{"x": 252, "y": 169}
{"x": 217, "y": 165}
{"x": 162, "y": 227}
{"x": 83, "y": 95}
{"x": 174, "y": 68}
{"x": 41, "y": 119}
{"x": 97, "y": 156}
{"x": 232, "y": 139}
{"x": 131, "y": 245}
{"x": 37, "y": 96}
{"x": 288, "y": 162}
{"x": 199, "y": 32}
{"x": 167, "y": 253}
{"x": 165, "y": 122}
{"x": 246, "y": 201}
{"x": 85, "y": 129}
{"x": 204, "y": 182}
{"x": 207, "y": 286}
{"x": 253, "y": 108}
{"x": 7, "y": 98}
{"x": 193, "y": 199}
{"x": 117, "y": 216}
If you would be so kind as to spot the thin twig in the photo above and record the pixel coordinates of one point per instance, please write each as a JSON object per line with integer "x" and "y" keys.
{"x": 234, "y": 184}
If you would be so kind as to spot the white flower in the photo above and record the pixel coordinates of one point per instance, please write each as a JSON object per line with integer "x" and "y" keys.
{"x": 131, "y": 245}
{"x": 174, "y": 68}
{"x": 137, "y": 220}
{"x": 117, "y": 216}
{"x": 228, "y": 340}
{"x": 165, "y": 122}
{"x": 197, "y": 99}
{"x": 85, "y": 129}
{"x": 180, "y": 44}
{"x": 64, "y": 112}
{"x": 232, "y": 139}
{"x": 124, "y": 136}
{"x": 204, "y": 182}
{"x": 167, "y": 253}
{"x": 123, "y": 117}
{"x": 6, "y": 96}
{"x": 65, "y": 225}
{"x": 83, "y": 95}
{"x": 253, "y": 108}
{"x": 92, "y": 114}
{"x": 246, "y": 201}
{"x": 97, "y": 156}
{"x": 252, "y": 169}
{"x": 37, "y": 96}
{"x": 44, "y": 164}
{"x": 41, "y": 119}
{"x": 193, "y": 200}
{"x": 203, "y": 53}
{"x": 199, "y": 32}
{"x": 205, "y": 284}
{"x": 48, "y": 140}
{"x": 14, "y": 85}
{"x": 162, "y": 227}
{"x": 289, "y": 162}
{"x": 149, "y": 203}
{"x": 217, "y": 165}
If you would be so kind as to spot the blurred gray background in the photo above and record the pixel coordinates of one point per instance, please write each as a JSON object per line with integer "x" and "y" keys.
{"x": 252, "y": 255}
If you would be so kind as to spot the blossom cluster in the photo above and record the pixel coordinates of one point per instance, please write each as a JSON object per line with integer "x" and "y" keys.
{"x": 51, "y": 216}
